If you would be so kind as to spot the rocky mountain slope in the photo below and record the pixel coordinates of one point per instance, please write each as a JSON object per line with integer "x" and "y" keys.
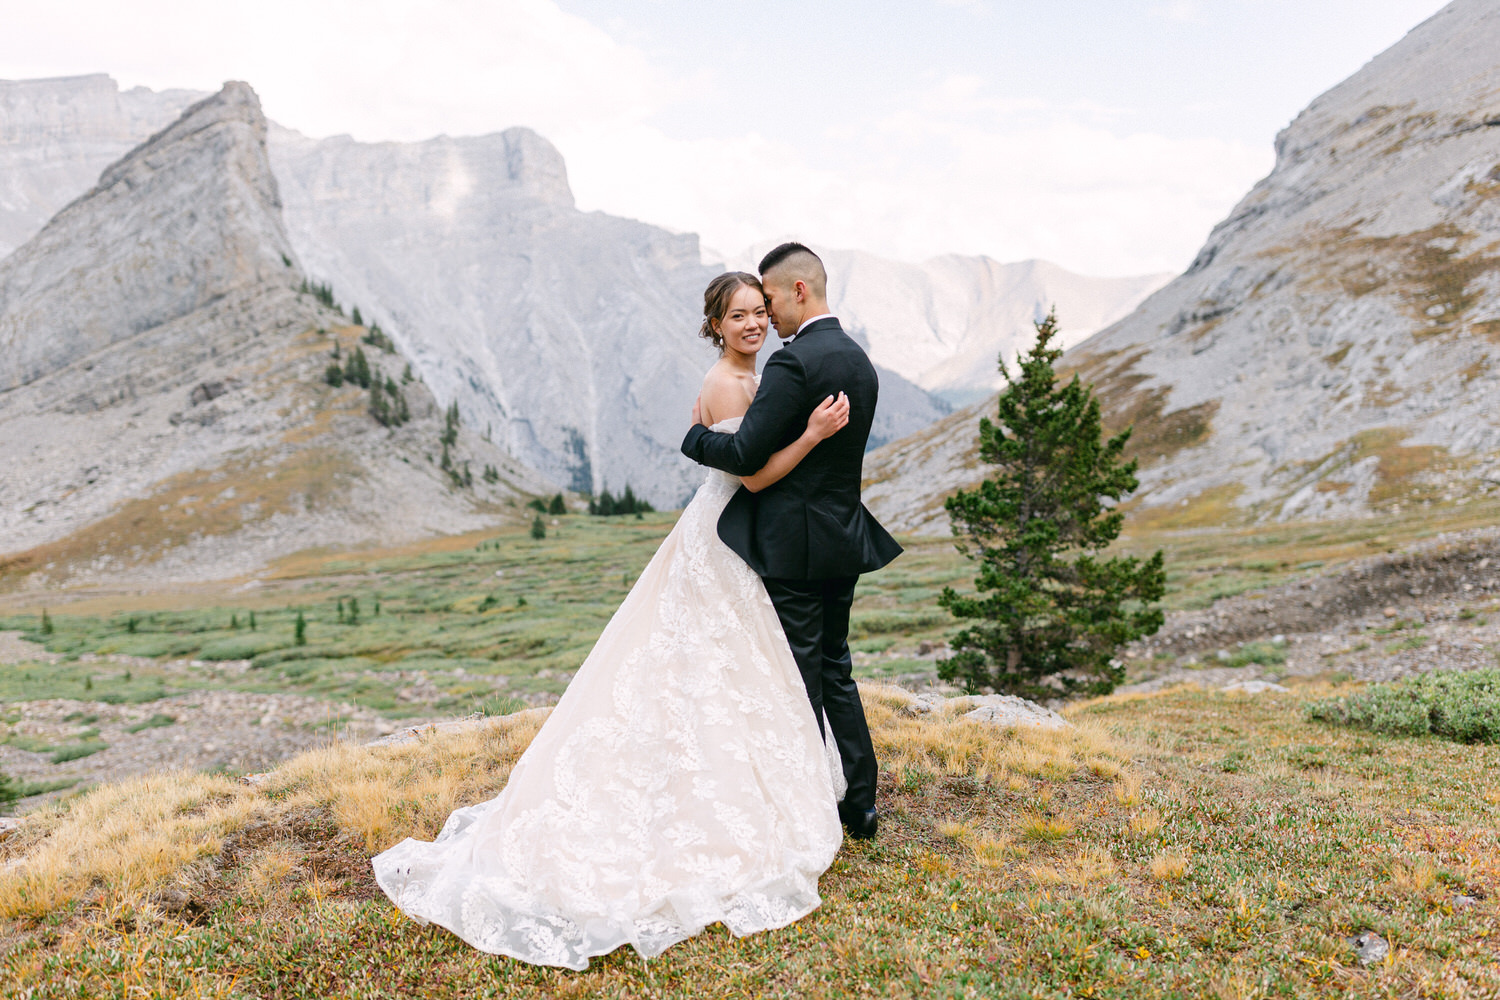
{"x": 470, "y": 253}
{"x": 1334, "y": 349}
{"x": 56, "y": 135}
{"x": 162, "y": 385}
{"x": 571, "y": 334}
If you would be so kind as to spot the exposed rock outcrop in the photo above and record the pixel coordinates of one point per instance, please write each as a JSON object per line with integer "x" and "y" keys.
{"x": 162, "y": 391}
{"x": 1335, "y": 347}
{"x": 56, "y": 135}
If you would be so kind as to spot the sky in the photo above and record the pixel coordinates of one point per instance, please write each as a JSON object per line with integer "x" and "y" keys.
{"x": 1107, "y": 136}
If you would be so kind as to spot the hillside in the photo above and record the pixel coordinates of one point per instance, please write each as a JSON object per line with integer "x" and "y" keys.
{"x": 1334, "y": 349}
{"x": 162, "y": 390}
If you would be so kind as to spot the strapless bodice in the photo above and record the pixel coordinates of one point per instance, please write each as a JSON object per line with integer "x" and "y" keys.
{"x": 723, "y": 481}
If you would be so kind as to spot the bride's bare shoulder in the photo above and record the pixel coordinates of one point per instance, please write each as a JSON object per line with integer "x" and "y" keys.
{"x": 725, "y": 393}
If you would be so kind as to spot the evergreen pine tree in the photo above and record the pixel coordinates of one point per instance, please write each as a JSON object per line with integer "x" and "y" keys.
{"x": 252, "y": 621}
{"x": 234, "y": 622}
{"x": 406, "y": 375}
{"x": 557, "y": 506}
{"x": 1046, "y": 624}
{"x": 341, "y": 610}
{"x": 299, "y": 630}
{"x": 335, "y": 350}
{"x": 538, "y": 528}
{"x": 606, "y": 503}
{"x": 380, "y": 407}
{"x": 46, "y": 623}
{"x": 353, "y": 611}
{"x": 450, "y": 424}
{"x": 333, "y": 374}
{"x": 627, "y": 500}
{"x": 356, "y": 319}
{"x": 357, "y": 370}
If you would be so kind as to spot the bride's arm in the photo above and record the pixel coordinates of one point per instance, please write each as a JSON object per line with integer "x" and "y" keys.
{"x": 830, "y": 417}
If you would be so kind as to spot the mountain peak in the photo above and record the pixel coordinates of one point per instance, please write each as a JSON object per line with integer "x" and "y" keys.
{"x": 185, "y": 219}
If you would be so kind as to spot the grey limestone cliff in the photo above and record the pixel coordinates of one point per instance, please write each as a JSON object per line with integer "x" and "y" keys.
{"x": 1334, "y": 350}
{"x": 161, "y": 383}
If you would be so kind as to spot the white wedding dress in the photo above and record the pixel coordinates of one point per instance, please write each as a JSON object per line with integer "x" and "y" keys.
{"x": 680, "y": 781}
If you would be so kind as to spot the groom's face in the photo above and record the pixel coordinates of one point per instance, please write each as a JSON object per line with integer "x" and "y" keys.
{"x": 781, "y": 302}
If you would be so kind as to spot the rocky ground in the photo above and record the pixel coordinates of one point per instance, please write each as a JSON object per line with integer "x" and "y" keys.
{"x": 58, "y": 744}
{"x": 1435, "y": 606}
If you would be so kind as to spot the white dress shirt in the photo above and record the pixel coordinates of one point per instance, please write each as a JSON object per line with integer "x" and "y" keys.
{"x": 809, "y": 322}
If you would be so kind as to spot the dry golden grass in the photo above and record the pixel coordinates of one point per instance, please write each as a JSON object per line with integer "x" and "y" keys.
{"x": 954, "y": 830}
{"x": 1088, "y": 866}
{"x": 1145, "y": 823}
{"x": 1168, "y": 866}
{"x": 271, "y": 869}
{"x": 1046, "y": 829}
{"x": 992, "y": 851}
{"x": 126, "y": 838}
{"x": 1128, "y": 790}
{"x": 1415, "y": 878}
{"x": 947, "y": 745}
{"x": 119, "y": 843}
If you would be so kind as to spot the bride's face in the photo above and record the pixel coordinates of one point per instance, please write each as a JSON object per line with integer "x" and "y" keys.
{"x": 744, "y": 324}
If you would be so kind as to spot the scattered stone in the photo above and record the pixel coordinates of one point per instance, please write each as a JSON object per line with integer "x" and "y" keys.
{"x": 1253, "y": 687}
{"x": 1008, "y": 710}
{"x": 1370, "y": 948}
{"x": 9, "y": 825}
{"x": 1462, "y": 902}
{"x": 926, "y": 702}
{"x": 1389, "y": 612}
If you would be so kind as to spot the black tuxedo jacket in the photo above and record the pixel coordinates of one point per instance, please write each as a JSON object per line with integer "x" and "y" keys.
{"x": 810, "y": 525}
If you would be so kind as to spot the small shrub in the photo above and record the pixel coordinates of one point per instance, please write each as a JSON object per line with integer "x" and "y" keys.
{"x": 333, "y": 374}
{"x": 157, "y": 721}
{"x": 299, "y": 630}
{"x": 9, "y": 790}
{"x": 1464, "y": 707}
{"x": 46, "y": 623}
{"x": 501, "y": 705}
{"x": 77, "y": 751}
{"x": 538, "y": 528}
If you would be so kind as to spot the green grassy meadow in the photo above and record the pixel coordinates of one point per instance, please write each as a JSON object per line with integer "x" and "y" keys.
{"x": 1205, "y": 845}
{"x": 491, "y": 620}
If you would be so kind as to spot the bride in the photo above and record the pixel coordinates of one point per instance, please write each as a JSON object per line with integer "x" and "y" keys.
{"x": 681, "y": 779}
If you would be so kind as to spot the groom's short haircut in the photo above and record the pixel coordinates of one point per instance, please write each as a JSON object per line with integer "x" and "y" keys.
{"x": 798, "y": 263}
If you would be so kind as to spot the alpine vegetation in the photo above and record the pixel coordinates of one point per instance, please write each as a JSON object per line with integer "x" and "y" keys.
{"x": 1046, "y": 624}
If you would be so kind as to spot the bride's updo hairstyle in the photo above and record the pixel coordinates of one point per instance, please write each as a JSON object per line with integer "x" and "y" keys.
{"x": 716, "y": 302}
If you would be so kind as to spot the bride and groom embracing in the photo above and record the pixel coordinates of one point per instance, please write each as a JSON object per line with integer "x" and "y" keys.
{"x": 698, "y": 766}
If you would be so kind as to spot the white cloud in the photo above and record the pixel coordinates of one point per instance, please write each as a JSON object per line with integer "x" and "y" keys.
{"x": 1176, "y": 10}
{"x": 956, "y": 167}
{"x": 378, "y": 69}
{"x": 974, "y": 175}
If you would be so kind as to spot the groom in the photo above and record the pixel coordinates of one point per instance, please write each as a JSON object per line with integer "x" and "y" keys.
{"x": 808, "y": 536}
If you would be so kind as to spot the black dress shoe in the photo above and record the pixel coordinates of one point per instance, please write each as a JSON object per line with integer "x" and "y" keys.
{"x": 862, "y": 824}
